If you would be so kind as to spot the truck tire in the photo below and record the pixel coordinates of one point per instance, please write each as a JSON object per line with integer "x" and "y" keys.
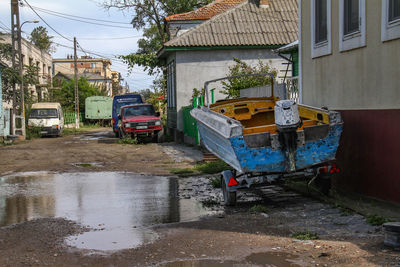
{"x": 229, "y": 197}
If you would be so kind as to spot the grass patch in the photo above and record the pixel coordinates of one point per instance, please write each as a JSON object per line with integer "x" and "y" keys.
{"x": 81, "y": 129}
{"x": 215, "y": 182}
{"x": 127, "y": 140}
{"x": 305, "y": 235}
{"x": 85, "y": 165}
{"x": 212, "y": 167}
{"x": 376, "y": 220}
{"x": 32, "y": 132}
{"x": 259, "y": 208}
{"x": 179, "y": 171}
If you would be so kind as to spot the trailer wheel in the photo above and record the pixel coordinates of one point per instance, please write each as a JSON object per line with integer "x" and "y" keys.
{"x": 323, "y": 182}
{"x": 229, "y": 197}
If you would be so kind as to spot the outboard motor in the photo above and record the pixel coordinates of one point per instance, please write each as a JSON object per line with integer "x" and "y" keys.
{"x": 287, "y": 120}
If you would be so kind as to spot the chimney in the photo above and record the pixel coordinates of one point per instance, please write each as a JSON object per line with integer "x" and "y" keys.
{"x": 264, "y": 3}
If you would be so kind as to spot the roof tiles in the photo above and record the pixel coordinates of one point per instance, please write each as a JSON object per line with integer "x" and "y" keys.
{"x": 245, "y": 25}
{"x": 206, "y": 12}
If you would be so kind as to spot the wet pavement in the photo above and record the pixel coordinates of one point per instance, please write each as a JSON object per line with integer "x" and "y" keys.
{"x": 119, "y": 208}
{"x": 254, "y": 260}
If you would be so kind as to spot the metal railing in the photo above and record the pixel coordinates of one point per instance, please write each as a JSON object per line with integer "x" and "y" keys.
{"x": 292, "y": 88}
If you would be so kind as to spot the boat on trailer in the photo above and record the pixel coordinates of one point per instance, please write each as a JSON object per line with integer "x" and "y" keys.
{"x": 266, "y": 139}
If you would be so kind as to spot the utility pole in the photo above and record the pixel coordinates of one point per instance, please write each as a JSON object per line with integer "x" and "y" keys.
{"x": 14, "y": 43}
{"x": 76, "y": 87}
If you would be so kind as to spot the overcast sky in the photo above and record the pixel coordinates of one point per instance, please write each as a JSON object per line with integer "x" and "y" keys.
{"x": 84, "y": 32}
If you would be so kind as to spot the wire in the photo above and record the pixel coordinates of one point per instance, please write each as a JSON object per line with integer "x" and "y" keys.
{"x": 101, "y": 20}
{"x": 111, "y": 38}
{"x": 6, "y": 27}
{"x": 88, "y": 22}
{"x": 47, "y": 23}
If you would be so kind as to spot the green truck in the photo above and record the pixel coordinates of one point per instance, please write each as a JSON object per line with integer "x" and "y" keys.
{"x": 98, "y": 108}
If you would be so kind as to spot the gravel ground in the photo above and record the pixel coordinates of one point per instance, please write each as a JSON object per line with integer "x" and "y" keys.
{"x": 233, "y": 236}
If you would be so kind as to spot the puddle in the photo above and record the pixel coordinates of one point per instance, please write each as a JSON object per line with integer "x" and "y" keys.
{"x": 120, "y": 207}
{"x": 87, "y": 164}
{"x": 96, "y": 136}
{"x": 257, "y": 259}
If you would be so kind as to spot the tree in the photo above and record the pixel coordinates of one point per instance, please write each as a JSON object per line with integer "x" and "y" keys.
{"x": 233, "y": 86}
{"x": 66, "y": 95}
{"x": 41, "y": 39}
{"x": 149, "y": 17}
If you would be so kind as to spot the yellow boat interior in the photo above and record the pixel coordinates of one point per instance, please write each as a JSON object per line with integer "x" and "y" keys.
{"x": 257, "y": 114}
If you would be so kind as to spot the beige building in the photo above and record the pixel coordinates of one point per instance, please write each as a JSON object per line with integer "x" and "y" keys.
{"x": 32, "y": 55}
{"x": 349, "y": 61}
{"x": 97, "y": 67}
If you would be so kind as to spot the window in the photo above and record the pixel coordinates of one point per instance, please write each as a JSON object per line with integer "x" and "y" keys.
{"x": 394, "y": 10}
{"x": 390, "y": 20}
{"x": 351, "y": 16}
{"x": 321, "y": 28}
{"x": 93, "y": 65}
{"x": 351, "y": 24}
{"x": 171, "y": 90}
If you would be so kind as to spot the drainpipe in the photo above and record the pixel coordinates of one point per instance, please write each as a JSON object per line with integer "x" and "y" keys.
{"x": 300, "y": 59}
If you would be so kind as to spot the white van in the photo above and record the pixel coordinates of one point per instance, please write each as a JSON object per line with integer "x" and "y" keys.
{"x": 48, "y": 117}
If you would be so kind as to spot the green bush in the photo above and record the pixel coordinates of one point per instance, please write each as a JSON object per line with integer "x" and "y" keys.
{"x": 216, "y": 182}
{"x": 259, "y": 208}
{"x": 376, "y": 220}
{"x": 212, "y": 167}
{"x": 233, "y": 86}
{"x": 305, "y": 235}
{"x": 128, "y": 140}
{"x": 32, "y": 132}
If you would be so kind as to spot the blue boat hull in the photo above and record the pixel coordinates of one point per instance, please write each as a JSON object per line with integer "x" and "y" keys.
{"x": 240, "y": 156}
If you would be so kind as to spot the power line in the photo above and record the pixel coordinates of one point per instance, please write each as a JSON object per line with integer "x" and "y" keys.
{"x": 47, "y": 23}
{"x": 111, "y": 38}
{"x": 101, "y": 20}
{"x": 88, "y": 22}
{"x": 6, "y": 27}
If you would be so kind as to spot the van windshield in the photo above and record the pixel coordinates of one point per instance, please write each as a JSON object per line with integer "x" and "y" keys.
{"x": 43, "y": 113}
{"x": 139, "y": 110}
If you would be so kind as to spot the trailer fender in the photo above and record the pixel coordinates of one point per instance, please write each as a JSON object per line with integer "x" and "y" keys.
{"x": 230, "y": 183}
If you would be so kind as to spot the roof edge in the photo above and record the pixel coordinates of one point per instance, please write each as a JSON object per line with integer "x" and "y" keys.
{"x": 165, "y": 50}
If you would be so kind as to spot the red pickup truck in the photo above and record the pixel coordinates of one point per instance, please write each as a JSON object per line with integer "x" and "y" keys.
{"x": 140, "y": 120}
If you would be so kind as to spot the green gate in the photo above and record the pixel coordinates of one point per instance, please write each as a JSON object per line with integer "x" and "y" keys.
{"x": 69, "y": 117}
{"x": 189, "y": 124}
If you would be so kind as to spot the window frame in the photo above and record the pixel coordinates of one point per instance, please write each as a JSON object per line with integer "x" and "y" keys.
{"x": 354, "y": 39}
{"x": 171, "y": 84}
{"x": 322, "y": 48}
{"x": 390, "y": 30}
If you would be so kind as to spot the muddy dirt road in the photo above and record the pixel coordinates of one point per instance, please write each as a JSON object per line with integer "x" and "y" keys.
{"x": 84, "y": 200}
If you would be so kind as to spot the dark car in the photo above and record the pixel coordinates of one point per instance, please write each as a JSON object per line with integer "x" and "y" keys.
{"x": 140, "y": 121}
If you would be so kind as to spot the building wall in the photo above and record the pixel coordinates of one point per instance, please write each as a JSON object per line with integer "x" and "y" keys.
{"x": 364, "y": 85}
{"x": 87, "y": 65}
{"x": 363, "y": 78}
{"x": 100, "y": 66}
{"x": 194, "y": 68}
{"x": 33, "y": 55}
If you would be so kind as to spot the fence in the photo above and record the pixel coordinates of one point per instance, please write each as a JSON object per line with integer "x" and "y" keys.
{"x": 69, "y": 117}
{"x": 292, "y": 87}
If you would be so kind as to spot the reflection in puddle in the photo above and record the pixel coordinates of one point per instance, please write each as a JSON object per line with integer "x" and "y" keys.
{"x": 118, "y": 206}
